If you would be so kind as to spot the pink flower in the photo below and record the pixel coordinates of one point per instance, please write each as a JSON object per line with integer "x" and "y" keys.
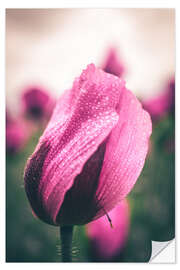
{"x": 37, "y": 104}
{"x": 8, "y": 118}
{"x": 162, "y": 104}
{"x": 113, "y": 64}
{"x": 17, "y": 134}
{"x": 105, "y": 241}
{"x": 91, "y": 153}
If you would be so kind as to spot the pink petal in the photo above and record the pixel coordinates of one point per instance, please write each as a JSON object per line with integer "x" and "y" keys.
{"x": 82, "y": 120}
{"x": 126, "y": 151}
{"x": 106, "y": 241}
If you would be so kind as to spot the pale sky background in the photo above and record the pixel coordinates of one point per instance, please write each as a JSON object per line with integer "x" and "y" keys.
{"x": 50, "y": 47}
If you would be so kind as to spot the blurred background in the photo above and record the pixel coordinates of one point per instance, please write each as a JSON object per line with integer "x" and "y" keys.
{"x": 45, "y": 50}
{"x": 52, "y": 46}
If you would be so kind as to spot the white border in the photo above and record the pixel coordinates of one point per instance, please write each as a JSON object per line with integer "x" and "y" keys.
{"x": 71, "y": 4}
{"x": 2, "y": 136}
{"x": 90, "y": 4}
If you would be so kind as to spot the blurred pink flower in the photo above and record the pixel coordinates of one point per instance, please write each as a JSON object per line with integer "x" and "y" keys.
{"x": 37, "y": 104}
{"x": 163, "y": 103}
{"x": 17, "y": 134}
{"x": 90, "y": 154}
{"x": 105, "y": 241}
{"x": 113, "y": 64}
{"x": 8, "y": 118}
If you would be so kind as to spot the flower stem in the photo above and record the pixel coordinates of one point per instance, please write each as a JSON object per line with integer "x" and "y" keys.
{"x": 66, "y": 233}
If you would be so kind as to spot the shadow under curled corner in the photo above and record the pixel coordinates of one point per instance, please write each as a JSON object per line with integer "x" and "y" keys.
{"x": 158, "y": 247}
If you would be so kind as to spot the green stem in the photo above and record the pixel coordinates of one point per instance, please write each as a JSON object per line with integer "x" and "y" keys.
{"x": 66, "y": 233}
